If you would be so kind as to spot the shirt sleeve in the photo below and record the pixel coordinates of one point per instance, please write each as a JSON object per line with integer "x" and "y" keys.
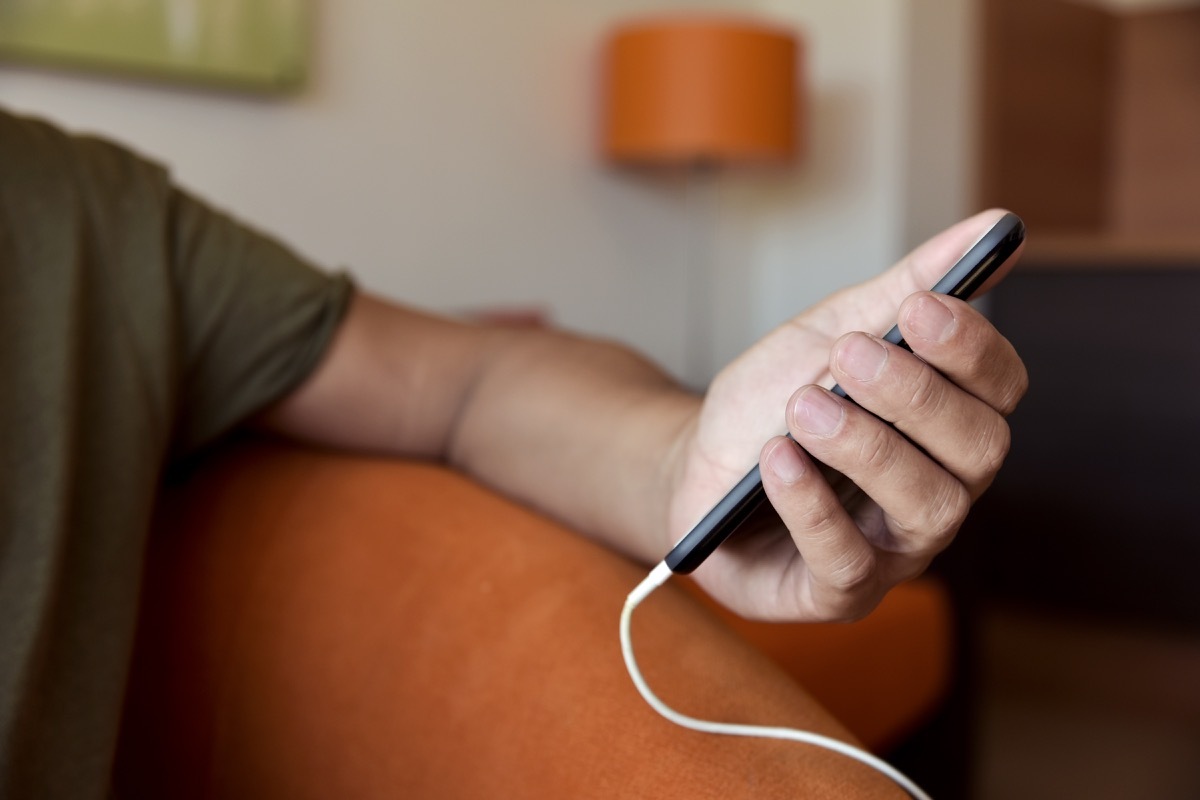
{"x": 253, "y": 319}
{"x": 208, "y": 319}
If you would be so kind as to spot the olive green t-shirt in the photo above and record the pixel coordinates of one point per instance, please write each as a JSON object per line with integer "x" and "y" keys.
{"x": 136, "y": 325}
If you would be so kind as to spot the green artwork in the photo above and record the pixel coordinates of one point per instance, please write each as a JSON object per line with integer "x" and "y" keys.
{"x": 253, "y": 44}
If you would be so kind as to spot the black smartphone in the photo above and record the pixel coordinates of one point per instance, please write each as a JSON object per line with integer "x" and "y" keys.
{"x": 970, "y": 272}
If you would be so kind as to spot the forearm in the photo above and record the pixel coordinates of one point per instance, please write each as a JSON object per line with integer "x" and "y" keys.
{"x": 584, "y": 430}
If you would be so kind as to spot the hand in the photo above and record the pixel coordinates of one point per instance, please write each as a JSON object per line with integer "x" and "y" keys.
{"x": 837, "y": 553}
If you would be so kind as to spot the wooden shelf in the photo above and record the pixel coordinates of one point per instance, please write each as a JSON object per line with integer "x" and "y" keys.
{"x": 1097, "y": 250}
{"x": 1089, "y": 124}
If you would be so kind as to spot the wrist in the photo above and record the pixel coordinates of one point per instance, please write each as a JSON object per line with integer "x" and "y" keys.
{"x": 673, "y": 476}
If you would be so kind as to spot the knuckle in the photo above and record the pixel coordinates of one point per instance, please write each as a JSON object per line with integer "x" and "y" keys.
{"x": 974, "y": 359}
{"x": 877, "y": 450}
{"x": 985, "y": 452}
{"x": 1015, "y": 391}
{"x": 926, "y": 398}
{"x": 1000, "y": 367}
{"x": 843, "y": 575}
{"x": 933, "y": 530}
{"x": 820, "y": 518}
{"x": 994, "y": 448}
{"x": 854, "y": 572}
{"x": 948, "y": 515}
{"x": 845, "y": 589}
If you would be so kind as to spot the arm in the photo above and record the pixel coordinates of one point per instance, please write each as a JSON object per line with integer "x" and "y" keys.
{"x": 598, "y": 437}
{"x": 576, "y": 427}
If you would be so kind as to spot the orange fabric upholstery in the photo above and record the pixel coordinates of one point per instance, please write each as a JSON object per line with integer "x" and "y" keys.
{"x": 881, "y": 677}
{"x": 322, "y": 625}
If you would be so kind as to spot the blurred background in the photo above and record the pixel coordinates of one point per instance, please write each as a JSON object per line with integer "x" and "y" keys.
{"x": 446, "y": 154}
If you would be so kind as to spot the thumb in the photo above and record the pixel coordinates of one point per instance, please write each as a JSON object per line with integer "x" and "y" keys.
{"x": 925, "y": 265}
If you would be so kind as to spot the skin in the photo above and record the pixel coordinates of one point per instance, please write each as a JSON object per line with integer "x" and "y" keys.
{"x": 597, "y": 436}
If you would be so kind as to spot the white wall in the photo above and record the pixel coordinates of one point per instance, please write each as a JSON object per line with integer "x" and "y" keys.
{"x": 941, "y": 133}
{"x": 788, "y": 239}
{"x": 890, "y": 160}
{"x": 444, "y": 153}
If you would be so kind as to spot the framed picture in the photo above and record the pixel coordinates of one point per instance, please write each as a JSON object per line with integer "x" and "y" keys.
{"x": 259, "y": 45}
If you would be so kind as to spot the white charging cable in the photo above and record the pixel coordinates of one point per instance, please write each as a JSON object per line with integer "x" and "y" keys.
{"x": 657, "y": 577}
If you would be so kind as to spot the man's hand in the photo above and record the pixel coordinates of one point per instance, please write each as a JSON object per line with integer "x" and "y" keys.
{"x": 925, "y": 439}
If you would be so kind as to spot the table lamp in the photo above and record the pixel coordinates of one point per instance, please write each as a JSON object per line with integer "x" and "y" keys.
{"x": 698, "y": 93}
{"x": 689, "y": 90}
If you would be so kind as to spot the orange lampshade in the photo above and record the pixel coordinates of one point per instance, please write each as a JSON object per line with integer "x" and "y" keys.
{"x": 700, "y": 89}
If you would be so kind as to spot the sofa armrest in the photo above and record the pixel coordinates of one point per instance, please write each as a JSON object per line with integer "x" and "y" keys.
{"x": 323, "y": 625}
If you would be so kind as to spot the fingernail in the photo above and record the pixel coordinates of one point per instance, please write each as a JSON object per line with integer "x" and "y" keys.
{"x": 929, "y": 319}
{"x": 817, "y": 412}
{"x": 862, "y": 357}
{"x": 785, "y": 462}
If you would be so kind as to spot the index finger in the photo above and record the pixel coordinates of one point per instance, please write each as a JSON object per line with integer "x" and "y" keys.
{"x": 962, "y": 344}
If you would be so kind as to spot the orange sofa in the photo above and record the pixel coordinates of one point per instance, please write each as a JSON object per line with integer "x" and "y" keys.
{"x": 340, "y": 626}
